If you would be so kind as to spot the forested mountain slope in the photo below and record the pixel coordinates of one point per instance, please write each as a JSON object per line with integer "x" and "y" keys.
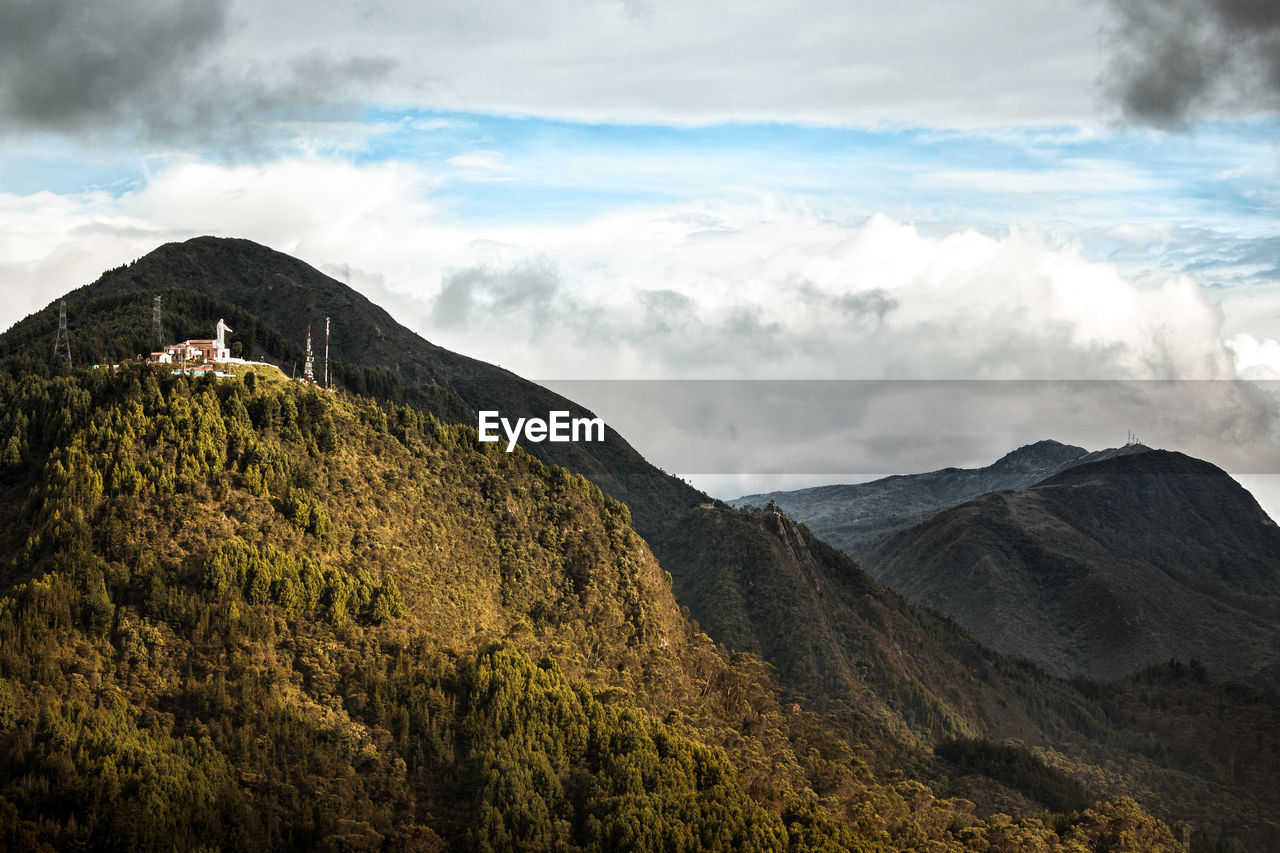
{"x": 1191, "y": 747}
{"x": 269, "y": 298}
{"x": 248, "y": 614}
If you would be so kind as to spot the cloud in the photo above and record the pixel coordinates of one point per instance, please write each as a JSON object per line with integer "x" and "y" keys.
{"x": 876, "y": 301}
{"x": 66, "y": 64}
{"x": 526, "y": 294}
{"x": 685, "y": 289}
{"x": 1255, "y": 359}
{"x": 1177, "y": 60}
{"x": 161, "y": 70}
{"x": 225, "y": 75}
{"x": 50, "y": 244}
{"x": 221, "y": 74}
{"x": 358, "y": 220}
{"x": 740, "y": 290}
{"x": 858, "y": 427}
{"x": 713, "y": 60}
{"x": 478, "y": 160}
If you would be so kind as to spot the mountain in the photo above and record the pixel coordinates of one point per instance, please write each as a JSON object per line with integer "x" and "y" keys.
{"x": 760, "y": 582}
{"x": 1105, "y": 568}
{"x": 854, "y": 517}
{"x": 190, "y": 594}
{"x": 899, "y": 676}
{"x": 269, "y": 299}
{"x": 247, "y": 614}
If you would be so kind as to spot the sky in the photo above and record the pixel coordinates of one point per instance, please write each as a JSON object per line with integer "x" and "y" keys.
{"x": 636, "y": 189}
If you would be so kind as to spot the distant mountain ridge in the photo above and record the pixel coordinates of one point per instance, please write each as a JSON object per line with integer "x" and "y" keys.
{"x": 1105, "y": 568}
{"x": 854, "y": 517}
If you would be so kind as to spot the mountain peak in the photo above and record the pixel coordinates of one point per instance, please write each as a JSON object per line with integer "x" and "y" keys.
{"x": 270, "y": 298}
{"x": 1132, "y": 557}
{"x": 1038, "y": 456}
{"x": 853, "y": 517}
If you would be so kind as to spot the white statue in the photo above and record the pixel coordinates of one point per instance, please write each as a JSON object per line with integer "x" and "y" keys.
{"x": 221, "y": 342}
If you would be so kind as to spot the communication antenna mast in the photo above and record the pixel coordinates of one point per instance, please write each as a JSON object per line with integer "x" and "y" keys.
{"x": 326, "y": 353}
{"x": 62, "y": 344}
{"x": 308, "y": 367}
{"x": 155, "y": 323}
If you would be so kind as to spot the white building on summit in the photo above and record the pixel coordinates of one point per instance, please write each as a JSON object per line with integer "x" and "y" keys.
{"x": 198, "y": 349}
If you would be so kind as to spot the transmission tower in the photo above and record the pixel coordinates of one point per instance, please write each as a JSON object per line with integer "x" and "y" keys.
{"x": 308, "y": 368}
{"x": 62, "y": 344}
{"x": 326, "y": 353}
{"x": 156, "y": 330}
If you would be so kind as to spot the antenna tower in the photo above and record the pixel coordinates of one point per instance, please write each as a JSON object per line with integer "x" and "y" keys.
{"x": 308, "y": 368}
{"x": 62, "y": 344}
{"x": 326, "y": 353}
{"x": 156, "y": 331}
